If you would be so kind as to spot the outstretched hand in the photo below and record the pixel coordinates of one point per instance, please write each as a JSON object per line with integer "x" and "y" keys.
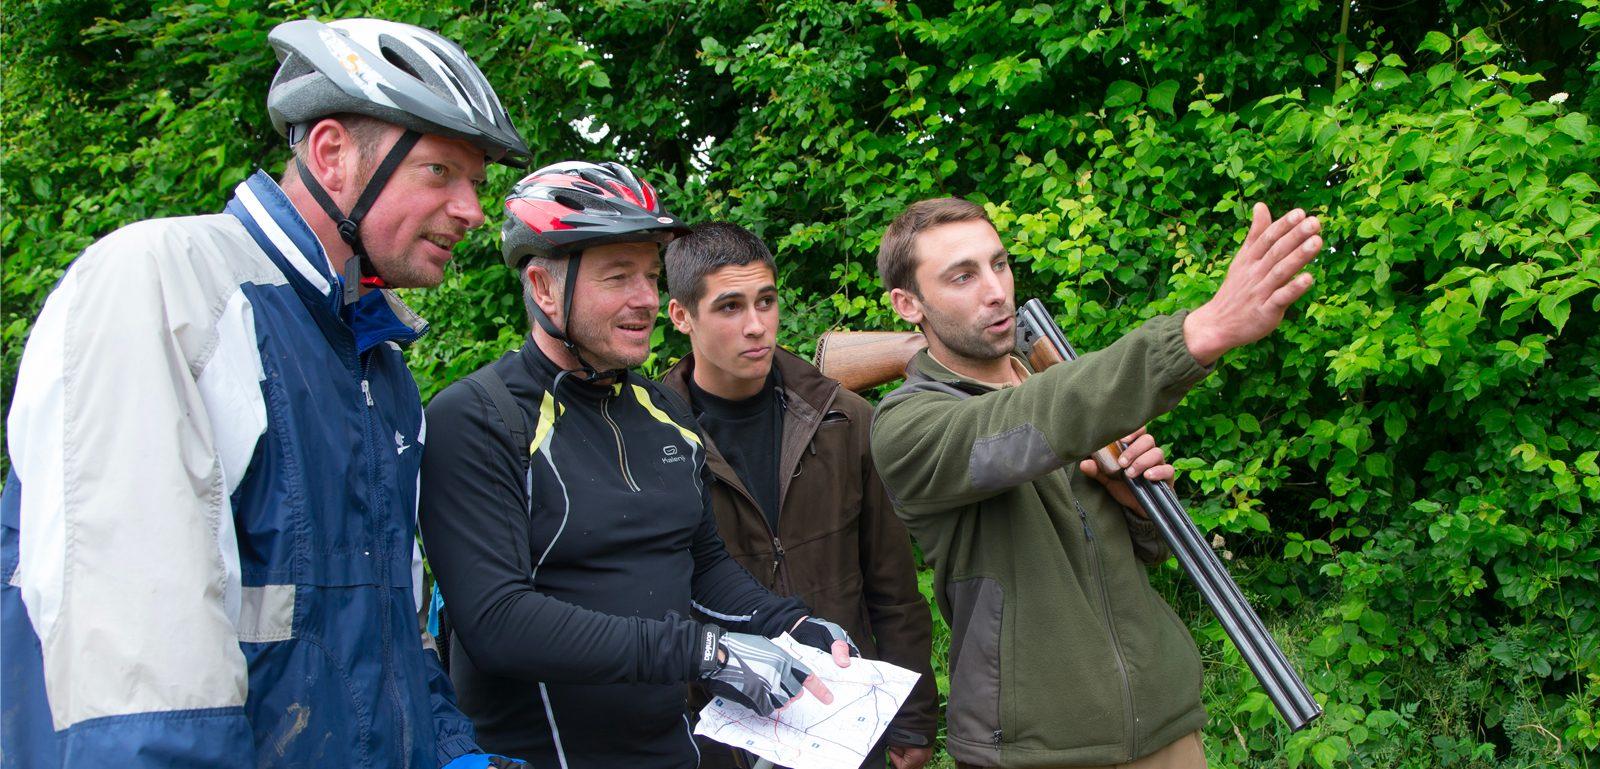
{"x": 1263, "y": 280}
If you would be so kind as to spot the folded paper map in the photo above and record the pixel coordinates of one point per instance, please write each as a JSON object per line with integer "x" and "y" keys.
{"x": 808, "y": 734}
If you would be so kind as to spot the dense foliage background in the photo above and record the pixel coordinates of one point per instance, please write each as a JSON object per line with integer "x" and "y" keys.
{"x": 1405, "y": 477}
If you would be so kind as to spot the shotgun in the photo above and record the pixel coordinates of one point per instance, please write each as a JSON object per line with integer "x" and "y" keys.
{"x": 862, "y": 360}
{"x": 1042, "y": 341}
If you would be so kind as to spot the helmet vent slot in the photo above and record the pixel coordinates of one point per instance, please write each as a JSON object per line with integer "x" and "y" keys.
{"x": 393, "y": 57}
{"x": 569, "y": 201}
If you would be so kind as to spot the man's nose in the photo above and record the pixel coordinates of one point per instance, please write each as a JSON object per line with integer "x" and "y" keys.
{"x": 754, "y": 324}
{"x": 994, "y": 289}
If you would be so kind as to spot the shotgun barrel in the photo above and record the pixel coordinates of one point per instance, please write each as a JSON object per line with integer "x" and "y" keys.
{"x": 1040, "y": 338}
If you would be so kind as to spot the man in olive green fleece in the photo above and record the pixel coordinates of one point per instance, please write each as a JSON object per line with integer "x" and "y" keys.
{"x": 1060, "y": 652}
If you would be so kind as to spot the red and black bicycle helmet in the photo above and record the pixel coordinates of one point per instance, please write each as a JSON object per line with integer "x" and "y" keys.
{"x": 562, "y": 209}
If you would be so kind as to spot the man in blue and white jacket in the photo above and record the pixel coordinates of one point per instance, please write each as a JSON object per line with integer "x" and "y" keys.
{"x": 208, "y": 532}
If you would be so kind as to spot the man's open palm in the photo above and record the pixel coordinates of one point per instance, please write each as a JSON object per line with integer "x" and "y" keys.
{"x": 1263, "y": 280}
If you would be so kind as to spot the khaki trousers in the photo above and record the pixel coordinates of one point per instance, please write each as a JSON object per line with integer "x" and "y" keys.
{"x": 1187, "y": 752}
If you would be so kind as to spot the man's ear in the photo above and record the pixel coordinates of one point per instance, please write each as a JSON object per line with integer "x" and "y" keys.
{"x": 680, "y": 316}
{"x": 545, "y": 292}
{"x": 331, "y": 155}
{"x": 906, "y": 305}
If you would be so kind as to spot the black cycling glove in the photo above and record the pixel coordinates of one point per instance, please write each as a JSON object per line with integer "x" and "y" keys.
{"x": 820, "y": 634}
{"x": 756, "y": 674}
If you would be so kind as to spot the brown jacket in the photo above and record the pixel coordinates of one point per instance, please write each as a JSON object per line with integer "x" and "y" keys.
{"x": 839, "y": 546}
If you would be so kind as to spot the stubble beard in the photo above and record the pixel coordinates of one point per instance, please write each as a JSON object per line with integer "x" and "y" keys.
{"x": 403, "y": 272}
{"x": 964, "y": 338}
{"x": 590, "y": 339}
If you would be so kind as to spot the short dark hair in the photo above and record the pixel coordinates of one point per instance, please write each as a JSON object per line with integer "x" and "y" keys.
{"x": 897, "y": 254}
{"x": 707, "y": 248}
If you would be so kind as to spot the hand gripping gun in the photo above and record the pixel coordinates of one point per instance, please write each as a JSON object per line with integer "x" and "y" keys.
{"x": 1041, "y": 340}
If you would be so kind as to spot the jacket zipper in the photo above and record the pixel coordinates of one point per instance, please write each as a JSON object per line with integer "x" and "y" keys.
{"x": 1111, "y": 627}
{"x": 622, "y": 450}
{"x": 380, "y": 543}
{"x": 781, "y": 588}
{"x": 777, "y": 559}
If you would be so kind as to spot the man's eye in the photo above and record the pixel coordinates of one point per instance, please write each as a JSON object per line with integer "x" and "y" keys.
{"x": 437, "y": 169}
{"x": 962, "y": 278}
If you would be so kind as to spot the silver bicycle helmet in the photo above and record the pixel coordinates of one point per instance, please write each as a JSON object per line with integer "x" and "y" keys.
{"x": 397, "y": 73}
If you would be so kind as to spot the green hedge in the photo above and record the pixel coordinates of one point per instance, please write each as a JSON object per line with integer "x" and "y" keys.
{"x": 1404, "y": 477}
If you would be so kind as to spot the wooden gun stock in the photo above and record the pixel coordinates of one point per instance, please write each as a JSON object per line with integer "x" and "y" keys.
{"x": 862, "y": 360}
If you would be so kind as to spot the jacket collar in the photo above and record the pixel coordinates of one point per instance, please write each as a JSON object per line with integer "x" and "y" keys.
{"x": 806, "y": 396}
{"x": 280, "y": 231}
{"x": 545, "y": 372}
{"x": 800, "y": 381}
{"x": 925, "y": 368}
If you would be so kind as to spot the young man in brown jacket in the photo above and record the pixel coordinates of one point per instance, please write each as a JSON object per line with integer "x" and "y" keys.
{"x": 795, "y": 494}
{"x": 1061, "y": 653}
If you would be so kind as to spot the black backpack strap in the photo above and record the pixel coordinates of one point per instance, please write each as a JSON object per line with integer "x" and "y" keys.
{"x": 511, "y": 414}
{"x": 493, "y": 385}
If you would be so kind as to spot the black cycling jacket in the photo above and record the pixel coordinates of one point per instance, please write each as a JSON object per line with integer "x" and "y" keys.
{"x": 570, "y": 578}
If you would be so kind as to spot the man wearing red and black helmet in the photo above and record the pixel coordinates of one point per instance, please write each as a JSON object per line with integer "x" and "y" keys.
{"x": 565, "y": 515}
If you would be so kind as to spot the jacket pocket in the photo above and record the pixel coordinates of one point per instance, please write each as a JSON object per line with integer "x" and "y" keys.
{"x": 973, "y": 716}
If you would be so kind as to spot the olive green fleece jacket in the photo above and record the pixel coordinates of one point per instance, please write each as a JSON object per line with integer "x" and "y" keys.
{"x": 1061, "y": 654}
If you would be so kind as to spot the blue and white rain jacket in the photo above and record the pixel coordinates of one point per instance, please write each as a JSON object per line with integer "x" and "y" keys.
{"x": 208, "y": 545}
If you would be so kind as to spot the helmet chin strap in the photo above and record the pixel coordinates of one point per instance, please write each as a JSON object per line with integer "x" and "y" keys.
{"x": 560, "y": 335}
{"x": 359, "y": 270}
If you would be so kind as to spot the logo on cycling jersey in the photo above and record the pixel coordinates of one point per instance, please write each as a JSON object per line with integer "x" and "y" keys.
{"x": 669, "y": 454}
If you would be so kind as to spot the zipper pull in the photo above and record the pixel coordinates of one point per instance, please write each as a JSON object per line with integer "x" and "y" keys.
{"x": 995, "y": 738}
{"x": 777, "y": 560}
{"x": 366, "y": 389}
{"x": 1084, "y": 517}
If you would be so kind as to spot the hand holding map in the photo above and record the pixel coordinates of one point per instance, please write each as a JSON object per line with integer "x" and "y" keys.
{"x": 809, "y": 734}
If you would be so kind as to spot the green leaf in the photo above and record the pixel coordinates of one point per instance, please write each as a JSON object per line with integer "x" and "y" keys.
{"x": 1436, "y": 42}
{"x": 1440, "y": 73}
{"x": 1325, "y": 754}
{"x": 1560, "y": 209}
{"x": 1581, "y": 226}
{"x": 1389, "y": 77}
{"x": 1122, "y": 93}
{"x": 1581, "y": 183}
{"x": 1574, "y": 124}
{"x": 1516, "y": 277}
{"x": 1555, "y": 311}
{"x": 1162, "y": 94}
